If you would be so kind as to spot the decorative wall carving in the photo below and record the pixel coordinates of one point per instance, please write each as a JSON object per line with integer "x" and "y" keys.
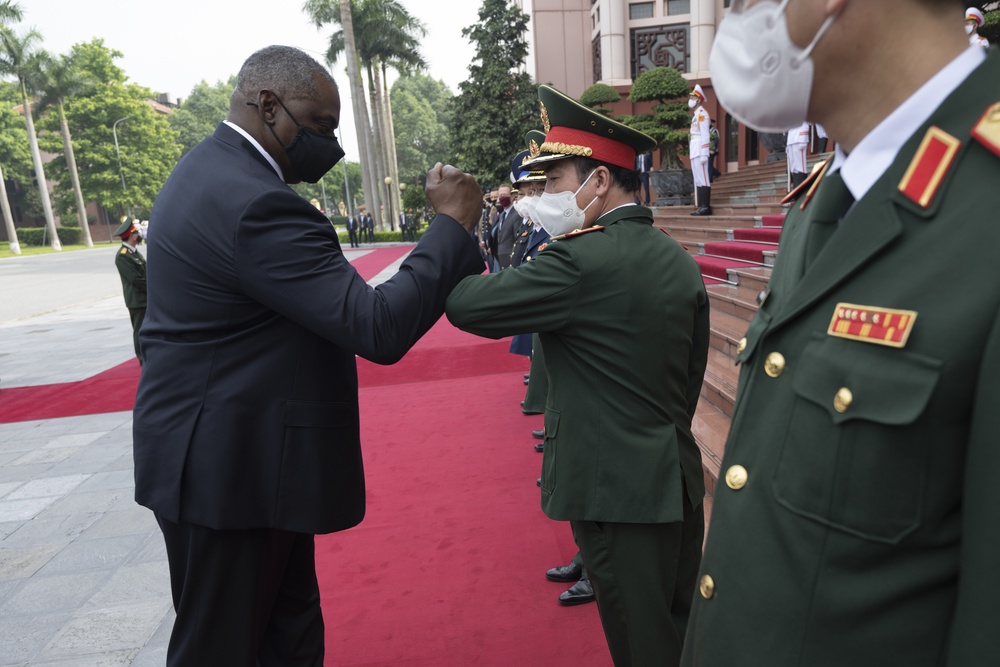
{"x": 661, "y": 46}
{"x": 595, "y": 52}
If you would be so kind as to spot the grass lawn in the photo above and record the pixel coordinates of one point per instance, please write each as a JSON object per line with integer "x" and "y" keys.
{"x": 43, "y": 250}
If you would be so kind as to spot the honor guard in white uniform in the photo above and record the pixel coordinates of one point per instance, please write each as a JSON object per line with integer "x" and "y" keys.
{"x": 797, "y": 146}
{"x": 974, "y": 20}
{"x": 699, "y": 151}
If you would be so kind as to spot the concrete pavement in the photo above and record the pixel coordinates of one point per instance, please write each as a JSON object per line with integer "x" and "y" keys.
{"x": 83, "y": 571}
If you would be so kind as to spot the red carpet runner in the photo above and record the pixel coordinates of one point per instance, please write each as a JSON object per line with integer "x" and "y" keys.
{"x": 447, "y": 568}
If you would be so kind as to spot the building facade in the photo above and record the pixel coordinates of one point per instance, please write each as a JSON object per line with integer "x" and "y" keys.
{"x": 576, "y": 43}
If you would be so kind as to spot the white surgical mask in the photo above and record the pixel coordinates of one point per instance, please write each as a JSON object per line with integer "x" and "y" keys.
{"x": 558, "y": 213}
{"x": 969, "y": 28}
{"x": 760, "y": 76}
{"x": 521, "y": 207}
{"x": 692, "y": 104}
{"x": 528, "y": 204}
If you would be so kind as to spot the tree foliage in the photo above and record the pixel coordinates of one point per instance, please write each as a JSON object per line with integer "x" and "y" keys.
{"x": 599, "y": 94}
{"x": 201, "y": 112}
{"x": 15, "y": 155}
{"x": 669, "y": 120}
{"x": 498, "y": 103}
{"x": 333, "y": 183}
{"x": 148, "y": 146}
{"x": 421, "y": 109}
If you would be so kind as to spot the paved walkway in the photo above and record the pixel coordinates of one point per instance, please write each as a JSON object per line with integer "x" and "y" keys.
{"x": 83, "y": 571}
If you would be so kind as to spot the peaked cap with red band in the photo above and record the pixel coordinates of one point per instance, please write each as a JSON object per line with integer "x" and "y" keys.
{"x": 575, "y": 130}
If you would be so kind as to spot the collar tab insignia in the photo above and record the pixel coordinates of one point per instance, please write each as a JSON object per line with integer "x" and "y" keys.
{"x": 579, "y": 232}
{"x": 870, "y": 324}
{"x": 929, "y": 167}
{"x": 987, "y": 130}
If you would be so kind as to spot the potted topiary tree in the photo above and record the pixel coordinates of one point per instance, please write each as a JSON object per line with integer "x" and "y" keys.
{"x": 598, "y": 95}
{"x": 668, "y": 124}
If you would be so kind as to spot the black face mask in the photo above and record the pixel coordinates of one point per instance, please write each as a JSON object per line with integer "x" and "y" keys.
{"x": 311, "y": 154}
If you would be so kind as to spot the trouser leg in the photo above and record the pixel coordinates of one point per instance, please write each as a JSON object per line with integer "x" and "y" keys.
{"x": 538, "y": 386}
{"x": 137, "y": 315}
{"x": 643, "y": 576}
{"x": 246, "y": 598}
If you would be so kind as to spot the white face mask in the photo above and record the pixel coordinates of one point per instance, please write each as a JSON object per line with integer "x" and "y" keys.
{"x": 558, "y": 212}
{"x": 521, "y": 207}
{"x": 969, "y": 28}
{"x": 528, "y": 204}
{"x": 759, "y": 75}
{"x": 692, "y": 104}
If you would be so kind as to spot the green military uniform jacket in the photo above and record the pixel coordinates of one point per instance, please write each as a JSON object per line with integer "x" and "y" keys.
{"x": 856, "y": 523}
{"x": 622, "y": 314}
{"x": 132, "y": 269}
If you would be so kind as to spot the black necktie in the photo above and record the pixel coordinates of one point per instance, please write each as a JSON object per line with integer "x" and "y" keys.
{"x": 832, "y": 201}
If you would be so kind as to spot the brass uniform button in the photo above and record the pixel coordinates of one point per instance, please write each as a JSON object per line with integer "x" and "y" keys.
{"x": 741, "y": 346}
{"x": 842, "y": 401}
{"x": 774, "y": 365}
{"x": 736, "y": 477}
{"x": 707, "y": 587}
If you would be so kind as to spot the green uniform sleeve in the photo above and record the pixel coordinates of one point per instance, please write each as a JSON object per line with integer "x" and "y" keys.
{"x": 974, "y": 634}
{"x": 131, "y": 271}
{"x": 534, "y": 297}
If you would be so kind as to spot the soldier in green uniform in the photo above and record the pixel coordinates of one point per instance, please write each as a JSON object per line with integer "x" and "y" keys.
{"x": 132, "y": 269}
{"x": 855, "y": 523}
{"x": 622, "y": 313}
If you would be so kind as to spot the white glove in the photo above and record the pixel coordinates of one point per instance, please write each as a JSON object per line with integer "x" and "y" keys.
{"x": 142, "y": 227}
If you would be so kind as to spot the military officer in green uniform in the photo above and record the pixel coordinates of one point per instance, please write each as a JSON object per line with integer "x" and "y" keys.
{"x": 622, "y": 313}
{"x": 855, "y": 520}
{"x": 132, "y": 270}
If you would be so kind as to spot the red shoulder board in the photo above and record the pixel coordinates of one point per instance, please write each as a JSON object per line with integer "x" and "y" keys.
{"x": 808, "y": 186}
{"x": 987, "y": 130}
{"x": 579, "y": 232}
{"x": 929, "y": 167}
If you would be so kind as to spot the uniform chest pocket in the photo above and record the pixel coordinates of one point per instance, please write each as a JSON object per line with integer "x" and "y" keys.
{"x": 853, "y": 457}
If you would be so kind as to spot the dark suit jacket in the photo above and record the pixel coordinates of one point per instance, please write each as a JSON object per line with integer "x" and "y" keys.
{"x": 247, "y": 409}
{"x": 504, "y": 237}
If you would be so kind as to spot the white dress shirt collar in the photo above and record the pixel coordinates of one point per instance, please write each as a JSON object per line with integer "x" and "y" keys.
{"x": 872, "y": 157}
{"x": 267, "y": 156}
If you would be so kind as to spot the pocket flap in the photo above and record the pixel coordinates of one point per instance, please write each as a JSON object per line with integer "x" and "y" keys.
{"x": 883, "y": 385}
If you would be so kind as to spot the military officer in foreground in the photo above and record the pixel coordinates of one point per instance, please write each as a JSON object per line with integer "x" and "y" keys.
{"x": 855, "y": 520}
{"x": 131, "y": 267}
{"x": 622, "y": 313}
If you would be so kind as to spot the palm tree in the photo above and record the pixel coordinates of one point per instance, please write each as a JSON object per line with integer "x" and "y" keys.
{"x": 386, "y": 34}
{"x": 60, "y": 81}
{"x": 18, "y": 57}
{"x": 9, "y": 11}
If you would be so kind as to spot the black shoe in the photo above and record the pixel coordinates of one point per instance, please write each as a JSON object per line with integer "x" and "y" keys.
{"x": 525, "y": 380}
{"x": 529, "y": 412}
{"x": 565, "y": 573}
{"x": 527, "y": 375}
{"x": 540, "y": 447}
{"x": 538, "y": 482}
{"x": 580, "y": 593}
{"x": 540, "y": 434}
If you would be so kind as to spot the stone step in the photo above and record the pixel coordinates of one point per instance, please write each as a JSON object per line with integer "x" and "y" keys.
{"x": 729, "y": 327}
{"x": 707, "y": 221}
{"x": 750, "y": 282}
{"x": 723, "y": 298}
{"x": 710, "y": 427}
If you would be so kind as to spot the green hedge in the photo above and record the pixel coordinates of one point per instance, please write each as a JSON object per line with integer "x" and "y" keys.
{"x": 380, "y": 237}
{"x": 38, "y": 235}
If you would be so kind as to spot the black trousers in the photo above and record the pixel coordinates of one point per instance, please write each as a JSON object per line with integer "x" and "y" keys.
{"x": 246, "y": 598}
{"x": 644, "y": 578}
{"x": 644, "y": 181}
{"x": 353, "y": 235}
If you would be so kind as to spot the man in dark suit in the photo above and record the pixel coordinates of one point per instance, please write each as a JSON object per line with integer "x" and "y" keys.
{"x": 369, "y": 227}
{"x": 246, "y": 424}
{"x": 504, "y": 228}
{"x": 132, "y": 270}
{"x": 855, "y": 514}
{"x": 352, "y": 230}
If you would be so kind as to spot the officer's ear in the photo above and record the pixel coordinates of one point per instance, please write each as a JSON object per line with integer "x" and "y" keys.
{"x": 602, "y": 177}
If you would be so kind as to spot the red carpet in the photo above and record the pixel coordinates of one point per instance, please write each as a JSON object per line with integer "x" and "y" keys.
{"x": 447, "y": 568}
{"x": 766, "y": 234}
{"x": 716, "y": 267}
{"x": 753, "y": 252}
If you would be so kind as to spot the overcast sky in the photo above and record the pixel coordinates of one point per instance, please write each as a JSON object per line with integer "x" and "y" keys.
{"x": 171, "y": 46}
